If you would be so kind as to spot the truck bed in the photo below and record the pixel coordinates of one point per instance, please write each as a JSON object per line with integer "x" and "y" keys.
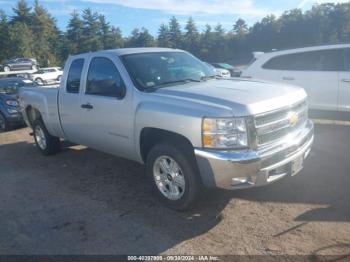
{"x": 44, "y": 99}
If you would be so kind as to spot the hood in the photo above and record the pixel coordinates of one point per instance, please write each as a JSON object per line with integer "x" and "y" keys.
{"x": 243, "y": 97}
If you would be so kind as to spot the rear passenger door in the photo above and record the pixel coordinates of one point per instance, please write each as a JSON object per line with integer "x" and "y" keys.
{"x": 107, "y": 116}
{"x": 69, "y": 101}
{"x": 344, "y": 83}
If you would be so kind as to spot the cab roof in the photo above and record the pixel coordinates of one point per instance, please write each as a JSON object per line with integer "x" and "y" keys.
{"x": 138, "y": 50}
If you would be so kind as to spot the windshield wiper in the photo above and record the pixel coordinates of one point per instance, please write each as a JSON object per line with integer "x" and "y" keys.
{"x": 183, "y": 81}
{"x": 204, "y": 78}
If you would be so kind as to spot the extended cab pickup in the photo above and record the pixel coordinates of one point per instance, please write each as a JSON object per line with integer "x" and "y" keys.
{"x": 166, "y": 109}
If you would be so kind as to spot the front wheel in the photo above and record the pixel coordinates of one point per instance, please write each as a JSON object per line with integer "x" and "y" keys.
{"x": 7, "y": 69}
{"x": 46, "y": 143}
{"x": 174, "y": 176}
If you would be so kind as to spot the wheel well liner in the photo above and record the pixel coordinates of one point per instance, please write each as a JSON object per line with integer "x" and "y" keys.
{"x": 32, "y": 114}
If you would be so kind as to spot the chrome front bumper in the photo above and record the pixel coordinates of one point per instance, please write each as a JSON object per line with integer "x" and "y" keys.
{"x": 236, "y": 170}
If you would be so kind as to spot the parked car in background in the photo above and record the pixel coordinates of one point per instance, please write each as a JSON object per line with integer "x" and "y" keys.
{"x": 323, "y": 71}
{"x": 18, "y": 64}
{"x": 224, "y": 73}
{"x": 9, "y": 108}
{"x": 48, "y": 75}
{"x": 233, "y": 71}
{"x": 167, "y": 109}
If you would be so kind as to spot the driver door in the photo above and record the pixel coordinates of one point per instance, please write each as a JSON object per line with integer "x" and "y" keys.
{"x": 106, "y": 108}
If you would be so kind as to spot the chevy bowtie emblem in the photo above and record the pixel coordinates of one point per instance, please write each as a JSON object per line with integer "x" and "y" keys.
{"x": 293, "y": 118}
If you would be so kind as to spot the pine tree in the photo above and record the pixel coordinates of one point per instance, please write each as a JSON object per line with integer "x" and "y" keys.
{"x": 91, "y": 31}
{"x": 140, "y": 38}
{"x": 23, "y": 13}
{"x": 118, "y": 40}
{"x": 206, "y": 42}
{"x": 240, "y": 28}
{"x": 106, "y": 37}
{"x": 191, "y": 39}
{"x": 4, "y": 37}
{"x": 164, "y": 36}
{"x": 175, "y": 33}
{"x": 145, "y": 38}
{"x": 22, "y": 40}
{"x": 46, "y": 35}
{"x": 74, "y": 34}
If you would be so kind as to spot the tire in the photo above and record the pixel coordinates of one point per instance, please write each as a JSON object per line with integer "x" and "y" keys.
{"x": 187, "y": 173}
{"x": 39, "y": 81}
{"x": 46, "y": 143}
{"x": 59, "y": 78}
{"x": 4, "y": 126}
{"x": 7, "y": 69}
{"x": 34, "y": 67}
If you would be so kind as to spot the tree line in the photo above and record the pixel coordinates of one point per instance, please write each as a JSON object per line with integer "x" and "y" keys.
{"x": 33, "y": 32}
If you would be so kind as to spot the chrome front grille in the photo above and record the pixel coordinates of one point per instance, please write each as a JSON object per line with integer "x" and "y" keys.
{"x": 275, "y": 125}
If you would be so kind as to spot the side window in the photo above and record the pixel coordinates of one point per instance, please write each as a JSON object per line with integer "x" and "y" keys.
{"x": 74, "y": 76}
{"x": 104, "y": 79}
{"x": 346, "y": 53}
{"x": 276, "y": 63}
{"x": 323, "y": 60}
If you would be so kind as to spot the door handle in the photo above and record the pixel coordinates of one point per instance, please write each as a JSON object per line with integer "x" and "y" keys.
{"x": 346, "y": 80}
{"x": 288, "y": 78}
{"x": 87, "y": 106}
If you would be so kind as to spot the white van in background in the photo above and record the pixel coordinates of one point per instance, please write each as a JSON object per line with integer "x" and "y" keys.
{"x": 323, "y": 71}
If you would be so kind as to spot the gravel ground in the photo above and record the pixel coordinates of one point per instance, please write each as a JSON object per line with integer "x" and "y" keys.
{"x": 85, "y": 202}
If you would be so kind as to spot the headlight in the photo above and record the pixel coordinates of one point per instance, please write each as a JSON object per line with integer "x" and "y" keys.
{"x": 224, "y": 133}
{"x": 12, "y": 103}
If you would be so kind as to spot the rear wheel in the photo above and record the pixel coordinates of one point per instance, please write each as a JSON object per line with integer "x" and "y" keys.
{"x": 39, "y": 81}
{"x": 46, "y": 143}
{"x": 34, "y": 67}
{"x": 3, "y": 124}
{"x": 7, "y": 69}
{"x": 174, "y": 175}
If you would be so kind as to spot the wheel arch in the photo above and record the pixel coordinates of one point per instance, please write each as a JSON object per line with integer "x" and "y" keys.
{"x": 32, "y": 114}
{"x": 150, "y": 136}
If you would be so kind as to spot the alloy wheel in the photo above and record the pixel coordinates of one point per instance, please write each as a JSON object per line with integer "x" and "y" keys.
{"x": 169, "y": 178}
{"x": 40, "y": 137}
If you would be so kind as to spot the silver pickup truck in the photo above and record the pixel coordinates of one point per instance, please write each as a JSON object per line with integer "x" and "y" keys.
{"x": 168, "y": 110}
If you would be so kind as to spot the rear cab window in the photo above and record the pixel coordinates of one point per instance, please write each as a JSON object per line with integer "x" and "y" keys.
{"x": 74, "y": 76}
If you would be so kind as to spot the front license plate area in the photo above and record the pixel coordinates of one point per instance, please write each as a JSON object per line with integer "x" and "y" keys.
{"x": 297, "y": 165}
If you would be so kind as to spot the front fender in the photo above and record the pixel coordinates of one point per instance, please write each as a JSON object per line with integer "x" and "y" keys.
{"x": 174, "y": 118}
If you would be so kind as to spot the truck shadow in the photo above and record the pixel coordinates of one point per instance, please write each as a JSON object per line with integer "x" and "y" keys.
{"x": 81, "y": 201}
{"x": 85, "y": 202}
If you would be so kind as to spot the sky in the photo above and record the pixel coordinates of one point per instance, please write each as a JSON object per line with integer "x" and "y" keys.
{"x": 128, "y": 14}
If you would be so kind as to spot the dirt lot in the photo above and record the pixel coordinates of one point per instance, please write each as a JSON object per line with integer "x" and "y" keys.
{"x": 85, "y": 202}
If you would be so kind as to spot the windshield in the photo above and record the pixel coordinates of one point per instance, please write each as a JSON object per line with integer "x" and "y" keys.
{"x": 160, "y": 69}
{"x": 12, "y": 86}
